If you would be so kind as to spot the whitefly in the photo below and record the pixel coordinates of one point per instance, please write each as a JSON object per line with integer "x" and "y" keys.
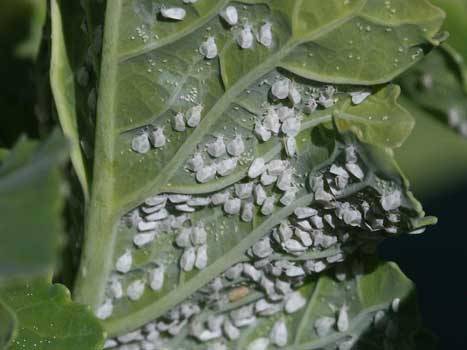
{"x": 140, "y": 143}
{"x": 208, "y": 48}
{"x": 179, "y": 122}
{"x": 265, "y": 35}
{"x": 193, "y": 116}
{"x": 175, "y": 13}
{"x": 124, "y": 262}
{"x": 280, "y": 89}
{"x": 156, "y": 277}
{"x": 206, "y": 173}
{"x": 158, "y": 138}
{"x": 236, "y": 147}
{"x": 262, "y": 132}
{"x": 257, "y": 167}
{"x": 135, "y": 290}
{"x": 245, "y": 38}
{"x": 230, "y": 15}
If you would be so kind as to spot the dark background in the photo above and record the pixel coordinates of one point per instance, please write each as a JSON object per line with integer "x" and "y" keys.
{"x": 436, "y": 262}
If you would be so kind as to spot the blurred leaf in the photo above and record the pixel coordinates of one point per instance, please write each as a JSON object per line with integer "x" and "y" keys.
{"x": 8, "y": 324}
{"x": 48, "y": 319}
{"x": 31, "y": 204}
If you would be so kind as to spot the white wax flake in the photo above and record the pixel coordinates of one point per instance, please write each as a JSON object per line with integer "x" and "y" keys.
{"x": 295, "y": 301}
{"x": 323, "y": 325}
{"x": 176, "y": 13}
{"x": 391, "y": 201}
{"x": 116, "y": 288}
{"x": 359, "y": 96}
{"x": 157, "y": 138}
{"x": 226, "y": 166}
{"x": 183, "y": 239}
{"x": 271, "y": 121}
{"x": 187, "y": 261}
{"x": 268, "y": 206}
{"x": 257, "y": 167}
{"x": 217, "y": 148}
{"x": 142, "y": 239}
{"x": 140, "y": 143}
{"x": 196, "y": 163}
{"x": 201, "y": 257}
{"x": 236, "y": 147}
{"x": 193, "y": 116}
{"x": 209, "y": 48}
{"x": 276, "y": 167}
{"x": 291, "y": 127}
{"x": 304, "y": 212}
{"x": 105, "y": 310}
{"x": 244, "y": 190}
{"x": 258, "y": 344}
{"x": 355, "y": 170}
{"x": 158, "y": 215}
{"x": 230, "y": 15}
{"x": 219, "y": 198}
{"x": 262, "y": 248}
{"x": 260, "y": 194}
{"x": 124, "y": 262}
{"x": 245, "y": 38}
{"x": 179, "y": 122}
{"x": 156, "y": 278}
{"x": 206, "y": 173}
{"x": 230, "y": 330}
{"x": 279, "y": 333}
{"x": 135, "y": 290}
{"x": 294, "y": 95}
{"x": 247, "y": 212}
{"x": 291, "y": 146}
{"x": 395, "y": 305}
{"x": 280, "y": 89}
{"x": 265, "y": 35}
{"x": 146, "y": 226}
{"x": 262, "y": 133}
{"x": 343, "y": 319}
{"x": 232, "y": 206}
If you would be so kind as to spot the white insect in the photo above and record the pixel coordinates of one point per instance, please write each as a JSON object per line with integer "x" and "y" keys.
{"x": 196, "y": 163}
{"x": 193, "y": 116}
{"x": 391, "y": 201}
{"x": 271, "y": 121}
{"x": 140, "y": 143}
{"x": 234, "y": 272}
{"x": 146, "y": 226}
{"x": 265, "y": 35}
{"x": 304, "y": 237}
{"x": 135, "y": 290}
{"x": 199, "y": 201}
{"x": 110, "y": 343}
{"x": 295, "y": 301}
{"x": 395, "y": 305}
{"x": 206, "y": 173}
{"x": 262, "y": 133}
{"x": 280, "y": 89}
{"x": 244, "y": 190}
{"x": 130, "y": 337}
{"x": 187, "y": 261}
{"x": 267, "y": 179}
{"x": 183, "y": 239}
{"x": 142, "y": 239}
{"x": 176, "y": 13}
{"x": 230, "y": 15}
{"x": 288, "y": 197}
{"x": 217, "y": 148}
{"x": 257, "y": 167}
{"x": 293, "y": 246}
{"x": 199, "y": 235}
{"x": 247, "y": 212}
{"x": 291, "y": 126}
{"x": 295, "y": 271}
{"x": 291, "y": 146}
{"x": 190, "y": 1}
{"x": 260, "y": 194}
{"x": 276, "y": 167}
{"x": 285, "y": 112}
{"x": 258, "y": 344}
{"x": 355, "y": 170}
{"x": 236, "y": 147}
{"x": 230, "y": 330}
{"x": 124, "y": 262}
{"x": 232, "y": 206}
{"x": 294, "y": 94}
{"x": 359, "y": 97}
{"x": 245, "y": 38}
{"x": 201, "y": 257}
{"x": 252, "y": 272}
{"x": 185, "y": 208}
{"x": 179, "y": 122}
{"x": 177, "y": 198}
{"x": 284, "y": 183}
{"x": 310, "y": 106}
{"x": 105, "y": 310}
{"x": 279, "y": 333}
{"x": 156, "y": 200}
{"x": 116, "y": 288}
{"x": 158, "y": 138}
{"x": 262, "y": 248}
{"x": 317, "y": 221}
{"x": 219, "y": 198}
{"x": 323, "y": 325}
{"x": 209, "y": 48}
{"x": 159, "y": 215}
{"x": 156, "y": 278}
{"x": 343, "y": 319}
{"x": 268, "y": 205}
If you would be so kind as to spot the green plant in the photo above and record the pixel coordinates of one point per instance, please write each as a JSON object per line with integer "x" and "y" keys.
{"x": 232, "y": 174}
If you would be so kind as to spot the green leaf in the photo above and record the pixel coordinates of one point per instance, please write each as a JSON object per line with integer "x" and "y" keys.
{"x": 21, "y": 25}
{"x": 381, "y": 309}
{"x": 31, "y": 204}
{"x": 8, "y": 324}
{"x": 48, "y": 319}
{"x": 153, "y": 68}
